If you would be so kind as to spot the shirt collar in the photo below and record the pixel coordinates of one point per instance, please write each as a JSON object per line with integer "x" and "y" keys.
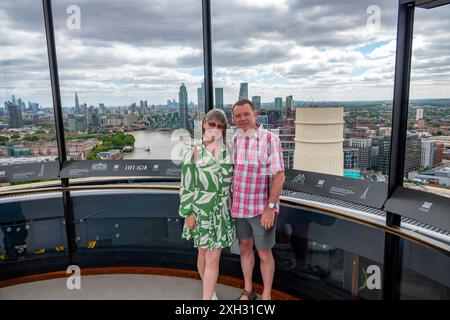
{"x": 254, "y": 133}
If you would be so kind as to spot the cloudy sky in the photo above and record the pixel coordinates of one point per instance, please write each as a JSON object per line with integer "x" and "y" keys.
{"x": 126, "y": 51}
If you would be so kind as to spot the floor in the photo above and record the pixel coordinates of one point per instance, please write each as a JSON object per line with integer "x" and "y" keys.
{"x": 112, "y": 287}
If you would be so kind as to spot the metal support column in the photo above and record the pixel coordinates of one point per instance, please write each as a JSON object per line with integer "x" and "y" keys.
{"x": 207, "y": 55}
{"x": 59, "y": 125}
{"x": 392, "y": 252}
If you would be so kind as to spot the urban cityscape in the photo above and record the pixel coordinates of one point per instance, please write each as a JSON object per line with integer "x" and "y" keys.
{"x": 359, "y": 131}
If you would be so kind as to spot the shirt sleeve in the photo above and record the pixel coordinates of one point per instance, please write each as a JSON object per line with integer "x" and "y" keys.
{"x": 276, "y": 156}
{"x": 232, "y": 156}
{"x": 187, "y": 183}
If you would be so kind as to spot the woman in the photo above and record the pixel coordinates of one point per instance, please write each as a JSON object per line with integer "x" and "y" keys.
{"x": 205, "y": 198}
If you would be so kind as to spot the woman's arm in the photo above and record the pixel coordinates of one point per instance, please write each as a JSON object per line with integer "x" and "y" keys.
{"x": 187, "y": 184}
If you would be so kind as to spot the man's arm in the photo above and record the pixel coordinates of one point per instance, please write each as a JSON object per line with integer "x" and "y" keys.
{"x": 268, "y": 215}
{"x": 277, "y": 186}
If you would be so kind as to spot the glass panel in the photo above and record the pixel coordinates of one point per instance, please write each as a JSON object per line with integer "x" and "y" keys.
{"x": 311, "y": 247}
{"x": 130, "y": 74}
{"x": 313, "y": 250}
{"x": 27, "y": 129}
{"x": 427, "y": 166}
{"x": 320, "y": 74}
{"x": 424, "y": 274}
{"x": 32, "y": 228}
{"x": 127, "y": 222}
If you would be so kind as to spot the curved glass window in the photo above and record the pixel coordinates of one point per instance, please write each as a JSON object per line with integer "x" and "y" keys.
{"x": 131, "y": 79}
{"x": 321, "y": 75}
{"x": 427, "y": 163}
{"x": 28, "y": 148}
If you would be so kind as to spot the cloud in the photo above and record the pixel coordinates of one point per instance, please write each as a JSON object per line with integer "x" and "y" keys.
{"x": 142, "y": 49}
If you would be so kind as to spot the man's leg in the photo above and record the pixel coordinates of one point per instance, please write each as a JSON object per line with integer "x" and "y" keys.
{"x": 267, "y": 265}
{"x": 247, "y": 263}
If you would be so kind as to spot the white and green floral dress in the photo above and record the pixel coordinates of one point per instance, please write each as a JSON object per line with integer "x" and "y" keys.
{"x": 205, "y": 192}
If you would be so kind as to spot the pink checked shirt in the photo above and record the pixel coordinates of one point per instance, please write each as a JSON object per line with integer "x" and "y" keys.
{"x": 257, "y": 156}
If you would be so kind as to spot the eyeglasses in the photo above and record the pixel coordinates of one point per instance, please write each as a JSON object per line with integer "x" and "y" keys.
{"x": 213, "y": 125}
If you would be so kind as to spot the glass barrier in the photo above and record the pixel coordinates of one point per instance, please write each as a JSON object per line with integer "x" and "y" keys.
{"x": 425, "y": 273}
{"x": 28, "y": 149}
{"x": 317, "y": 255}
{"x": 32, "y": 228}
{"x": 319, "y": 74}
{"x": 131, "y": 77}
{"x": 427, "y": 163}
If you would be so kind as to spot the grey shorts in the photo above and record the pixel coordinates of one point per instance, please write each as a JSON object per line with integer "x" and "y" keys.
{"x": 247, "y": 228}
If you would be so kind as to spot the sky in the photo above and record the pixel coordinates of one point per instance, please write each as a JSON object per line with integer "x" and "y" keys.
{"x": 127, "y": 51}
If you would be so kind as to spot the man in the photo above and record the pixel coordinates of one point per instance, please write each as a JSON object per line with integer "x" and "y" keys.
{"x": 258, "y": 178}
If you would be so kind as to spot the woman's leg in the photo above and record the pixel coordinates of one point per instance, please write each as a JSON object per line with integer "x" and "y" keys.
{"x": 211, "y": 272}
{"x": 201, "y": 262}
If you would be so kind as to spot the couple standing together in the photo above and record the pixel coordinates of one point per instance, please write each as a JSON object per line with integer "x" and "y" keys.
{"x": 232, "y": 190}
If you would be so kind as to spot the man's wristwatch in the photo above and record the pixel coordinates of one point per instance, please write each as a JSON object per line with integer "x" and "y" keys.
{"x": 272, "y": 205}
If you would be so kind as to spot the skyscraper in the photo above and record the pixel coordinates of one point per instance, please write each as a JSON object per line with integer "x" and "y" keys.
{"x": 77, "y": 104}
{"x": 256, "y": 100}
{"x": 419, "y": 114}
{"x": 412, "y": 156}
{"x": 351, "y": 156}
{"x": 183, "y": 109}
{"x": 364, "y": 145}
{"x": 201, "y": 97}
{"x": 288, "y": 104}
{"x": 219, "y": 97}
{"x": 439, "y": 153}
{"x": 428, "y": 153}
{"x": 384, "y": 154}
{"x": 243, "y": 91}
{"x": 279, "y": 104}
{"x": 15, "y": 113}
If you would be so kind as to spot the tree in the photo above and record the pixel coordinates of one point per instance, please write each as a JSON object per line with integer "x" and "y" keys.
{"x": 3, "y": 140}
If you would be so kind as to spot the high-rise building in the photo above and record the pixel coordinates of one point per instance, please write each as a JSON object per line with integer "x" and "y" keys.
{"x": 243, "y": 91}
{"x": 428, "y": 153}
{"x": 374, "y": 157}
{"x": 256, "y": 100}
{"x": 275, "y": 118}
{"x": 21, "y": 105}
{"x": 80, "y": 123}
{"x": 289, "y": 105}
{"x": 412, "y": 157}
{"x": 201, "y": 97}
{"x": 351, "y": 158}
{"x": 287, "y": 140}
{"x": 103, "y": 121}
{"x": 439, "y": 153}
{"x": 15, "y": 113}
{"x": 384, "y": 154}
{"x": 419, "y": 114}
{"x": 102, "y": 108}
{"x": 279, "y": 105}
{"x": 77, "y": 103}
{"x": 130, "y": 120}
{"x": 219, "y": 97}
{"x": 364, "y": 145}
{"x": 319, "y": 136}
{"x": 183, "y": 108}
{"x": 33, "y": 107}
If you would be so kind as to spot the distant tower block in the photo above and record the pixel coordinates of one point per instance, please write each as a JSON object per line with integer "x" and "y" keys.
{"x": 319, "y": 136}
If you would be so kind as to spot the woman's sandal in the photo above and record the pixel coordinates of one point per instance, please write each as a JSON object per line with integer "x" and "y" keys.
{"x": 250, "y": 295}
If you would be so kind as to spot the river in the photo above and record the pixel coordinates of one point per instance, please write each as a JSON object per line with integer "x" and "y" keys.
{"x": 161, "y": 144}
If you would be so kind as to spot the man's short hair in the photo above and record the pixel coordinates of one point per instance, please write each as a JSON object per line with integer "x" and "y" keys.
{"x": 242, "y": 102}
